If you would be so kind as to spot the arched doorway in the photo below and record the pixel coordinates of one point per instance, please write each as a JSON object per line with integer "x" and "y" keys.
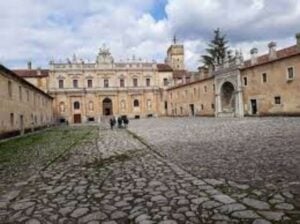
{"x": 228, "y": 97}
{"x": 107, "y": 107}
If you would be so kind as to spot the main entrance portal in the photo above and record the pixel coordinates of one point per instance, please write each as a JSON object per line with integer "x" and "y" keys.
{"x": 107, "y": 107}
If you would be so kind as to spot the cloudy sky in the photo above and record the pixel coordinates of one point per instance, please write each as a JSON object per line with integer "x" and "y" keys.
{"x": 41, "y": 30}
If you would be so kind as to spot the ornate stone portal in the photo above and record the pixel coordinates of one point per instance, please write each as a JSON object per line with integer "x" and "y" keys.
{"x": 228, "y": 97}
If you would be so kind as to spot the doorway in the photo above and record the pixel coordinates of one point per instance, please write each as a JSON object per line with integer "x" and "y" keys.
{"x": 107, "y": 107}
{"x": 77, "y": 118}
{"x": 253, "y": 106}
{"x": 192, "y": 109}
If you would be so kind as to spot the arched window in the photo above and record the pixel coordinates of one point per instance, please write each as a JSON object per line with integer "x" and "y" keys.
{"x": 136, "y": 103}
{"x": 76, "y": 105}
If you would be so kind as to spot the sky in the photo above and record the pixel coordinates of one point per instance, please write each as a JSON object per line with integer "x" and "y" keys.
{"x": 44, "y": 30}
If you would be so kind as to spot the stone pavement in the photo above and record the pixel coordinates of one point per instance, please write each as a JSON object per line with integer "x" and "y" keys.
{"x": 118, "y": 179}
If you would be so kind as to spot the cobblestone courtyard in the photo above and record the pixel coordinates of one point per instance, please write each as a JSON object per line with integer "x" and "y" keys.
{"x": 187, "y": 170}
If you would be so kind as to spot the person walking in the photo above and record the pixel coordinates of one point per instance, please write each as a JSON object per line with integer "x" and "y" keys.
{"x": 126, "y": 121}
{"x": 112, "y": 122}
{"x": 120, "y": 122}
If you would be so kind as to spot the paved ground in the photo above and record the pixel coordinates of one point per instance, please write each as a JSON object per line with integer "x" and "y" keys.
{"x": 118, "y": 179}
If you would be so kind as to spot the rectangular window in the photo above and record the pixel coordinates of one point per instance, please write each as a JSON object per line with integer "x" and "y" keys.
{"x": 205, "y": 89}
{"x": 9, "y": 88}
{"x": 290, "y": 73}
{"x": 277, "y": 99}
{"x": 20, "y": 92}
{"x": 148, "y": 82}
{"x": 60, "y": 83}
{"x": 187, "y": 79}
{"x": 106, "y": 83}
{"x": 75, "y": 83}
{"x": 135, "y": 82}
{"x": 202, "y": 107}
{"x": 90, "y": 83}
{"x": 166, "y": 82}
{"x": 122, "y": 83}
{"x": 212, "y": 106}
{"x": 27, "y": 94}
{"x": 245, "y": 81}
{"x": 12, "y": 120}
{"x": 264, "y": 77}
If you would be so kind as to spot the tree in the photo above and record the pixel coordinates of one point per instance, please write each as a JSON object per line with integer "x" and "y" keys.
{"x": 217, "y": 51}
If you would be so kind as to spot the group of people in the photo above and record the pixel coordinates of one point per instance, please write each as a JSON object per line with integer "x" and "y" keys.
{"x": 122, "y": 122}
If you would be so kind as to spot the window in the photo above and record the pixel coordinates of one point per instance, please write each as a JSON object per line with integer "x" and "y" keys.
{"x": 90, "y": 83}
{"x": 264, "y": 77}
{"x": 75, "y": 83}
{"x": 290, "y": 73}
{"x": 27, "y": 93}
{"x": 166, "y": 82}
{"x": 245, "y": 81}
{"x": 60, "y": 83}
{"x": 106, "y": 83}
{"x": 212, "y": 106}
{"x": 166, "y": 105}
{"x": 214, "y": 87}
{"x": 76, "y": 105}
{"x": 277, "y": 99}
{"x": 12, "y": 119}
{"x": 187, "y": 79}
{"x": 20, "y": 92}
{"x": 148, "y": 82}
{"x": 135, "y": 82}
{"x": 205, "y": 89}
{"x": 9, "y": 88}
{"x": 202, "y": 107}
{"x": 136, "y": 103}
{"x": 122, "y": 83}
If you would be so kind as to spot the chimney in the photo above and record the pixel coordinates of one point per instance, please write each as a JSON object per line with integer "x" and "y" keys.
{"x": 272, "y": 50}
{"x": 38, "y": 71}
{"x": 298, "y": 39}
{"x": 253, "y": 53}
{"x": 29, "y": 65}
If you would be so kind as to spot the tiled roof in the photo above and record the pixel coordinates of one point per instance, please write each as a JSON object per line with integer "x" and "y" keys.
{"x": 31, "y": 72}
{"x": 180, "y": 74}
{"x": 164, "y": 68}
{"x": 190, "y": 83}
{"x": 281, "y": 54}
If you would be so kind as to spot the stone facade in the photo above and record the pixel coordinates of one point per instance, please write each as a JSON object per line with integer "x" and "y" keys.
{"x": 195, "y": 98}
{"x": 84, "y": 91}
{"x": 90, "y": 91}
{"x": 24, "y": 107}
{"x": 265, "y": 85}
{"x": 271, "y": 83}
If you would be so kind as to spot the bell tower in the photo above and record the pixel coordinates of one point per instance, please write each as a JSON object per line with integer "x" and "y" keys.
{"x": 175, "y": 55}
